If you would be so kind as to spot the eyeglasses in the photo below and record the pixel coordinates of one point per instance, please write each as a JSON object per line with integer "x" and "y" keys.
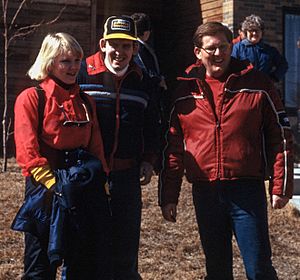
{"x": 67, "y": 122}
{"x": 211, "y": 50}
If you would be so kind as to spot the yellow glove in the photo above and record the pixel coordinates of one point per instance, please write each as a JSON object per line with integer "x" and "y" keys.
{"x": 44, "y": 175}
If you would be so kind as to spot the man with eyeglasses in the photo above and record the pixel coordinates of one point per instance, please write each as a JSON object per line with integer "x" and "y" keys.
{"x": 263, "y": 56}
{"x": 228, "y": 131}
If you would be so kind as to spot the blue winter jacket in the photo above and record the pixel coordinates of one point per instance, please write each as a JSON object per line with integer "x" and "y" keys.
{"x": 67, "y": 208}
{"x": 132, "y": 98}
{"x": 263, "y": 57}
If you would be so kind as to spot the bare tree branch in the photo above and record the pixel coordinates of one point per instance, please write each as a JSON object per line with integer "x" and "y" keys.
{"x": 19, "y": 32}
{"x": 57, "y": 17}
{"x": 8, "y": 129}
{"x": 4, "y": 6}
{"x": 4, "y": 9}
{"x": 23, "y": 31}
{"x": 16, "y": 14}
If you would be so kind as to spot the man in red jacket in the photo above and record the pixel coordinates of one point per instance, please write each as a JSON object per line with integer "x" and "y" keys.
{"x": 228, "y": 132}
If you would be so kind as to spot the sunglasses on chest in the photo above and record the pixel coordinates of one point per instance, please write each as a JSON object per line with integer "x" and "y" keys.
{"x": 68, "y": 122}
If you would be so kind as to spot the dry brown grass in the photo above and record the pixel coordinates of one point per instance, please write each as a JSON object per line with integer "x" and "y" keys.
{"x": 168, "y": 251}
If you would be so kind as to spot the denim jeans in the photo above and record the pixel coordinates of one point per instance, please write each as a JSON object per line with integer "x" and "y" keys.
{"x": 236, "y": 207}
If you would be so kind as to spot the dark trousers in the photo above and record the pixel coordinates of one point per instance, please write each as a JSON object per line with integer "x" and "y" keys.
{"x": 36, "y": 262}
{"x": 126, "y": 208}
{"x": 115, "y": 254}
{"x": 240, "y": 208}
{"x": 87, "y": 241}
{"x": 83, "y": 237}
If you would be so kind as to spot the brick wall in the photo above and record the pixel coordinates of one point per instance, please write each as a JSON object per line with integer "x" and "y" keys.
{"x": 22, "y": 52}
{"x": 174, "y": 23}
{"x": 270, "y": 11}
{"x": 211, "y": 10}
{"x": 76, "y": 20}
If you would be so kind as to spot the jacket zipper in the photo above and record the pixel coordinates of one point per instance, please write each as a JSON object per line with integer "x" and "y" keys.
{"x": 218, "y": 127}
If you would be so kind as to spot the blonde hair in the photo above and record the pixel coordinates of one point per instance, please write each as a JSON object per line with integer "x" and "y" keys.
{"x": 52, "y": 46}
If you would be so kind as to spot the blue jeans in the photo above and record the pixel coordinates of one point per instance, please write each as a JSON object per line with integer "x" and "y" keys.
{"x": 234, "y": 207}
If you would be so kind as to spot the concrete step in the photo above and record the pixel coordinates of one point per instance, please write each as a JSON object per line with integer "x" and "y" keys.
{"x": 295, "y": 201}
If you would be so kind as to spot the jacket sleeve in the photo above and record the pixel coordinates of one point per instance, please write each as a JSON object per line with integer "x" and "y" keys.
{"x": 26, "y": 131}
{"x": 152, "y": 125}
{"x": 235, "y": 51}
{"x": 279, "y": 145}
{"x": 96, "y": 143}
{"x": 170, "y": 178}
{"x": 281, "y": 66}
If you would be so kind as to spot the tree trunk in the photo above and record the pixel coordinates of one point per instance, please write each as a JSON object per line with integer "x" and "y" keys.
{"x": 4, "y": 116}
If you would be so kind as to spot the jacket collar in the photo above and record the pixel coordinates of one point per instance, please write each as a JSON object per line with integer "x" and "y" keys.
{"x": 52, "y": 88}
{"x": 247, "y": 43}
{"x": 198, "y": 71}
{"x": 95, "y": 65}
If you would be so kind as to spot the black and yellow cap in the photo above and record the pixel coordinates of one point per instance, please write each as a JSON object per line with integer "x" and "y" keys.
{"x": 120, "y": 27}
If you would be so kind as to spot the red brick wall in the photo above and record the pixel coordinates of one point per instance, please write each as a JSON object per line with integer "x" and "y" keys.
{"x": 212, "y": 10}
{"x": 174, "y": 23}
{"x": 76, "y": 20}
{"x": 272, "y": 14}
{"x": 23, "y": 51}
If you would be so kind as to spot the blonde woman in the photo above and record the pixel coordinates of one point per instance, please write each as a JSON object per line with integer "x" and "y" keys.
{"x": 44, "y": 144}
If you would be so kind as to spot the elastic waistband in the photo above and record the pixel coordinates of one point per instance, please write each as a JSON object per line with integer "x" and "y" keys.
{"x": 59, "y": 159}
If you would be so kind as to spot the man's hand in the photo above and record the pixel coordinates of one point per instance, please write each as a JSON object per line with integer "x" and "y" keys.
{"x": 146, "y": 172}
{"x": 163, "y": 84}
{"x": 279, "y": 201}
{"x": 169, "y": 212}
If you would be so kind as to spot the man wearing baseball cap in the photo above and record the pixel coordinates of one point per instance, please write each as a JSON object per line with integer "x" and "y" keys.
{"x": 129, "y": 122}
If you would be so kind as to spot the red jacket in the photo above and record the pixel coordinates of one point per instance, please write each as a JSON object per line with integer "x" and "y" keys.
{"x": 247, "y": 137}
{"x": 54, "y": 134}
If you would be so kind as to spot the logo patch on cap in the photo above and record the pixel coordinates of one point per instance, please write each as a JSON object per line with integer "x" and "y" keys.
{"x": 120, "y": 24}
{"x": 120, "y": 27}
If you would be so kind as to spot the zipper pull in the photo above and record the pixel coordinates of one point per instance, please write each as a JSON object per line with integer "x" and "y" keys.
{"x": 106, "y": 187}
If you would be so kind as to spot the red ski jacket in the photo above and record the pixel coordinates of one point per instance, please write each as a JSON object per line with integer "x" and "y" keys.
{"x": 60, "y": 105}
{"x": 247, "y": 136}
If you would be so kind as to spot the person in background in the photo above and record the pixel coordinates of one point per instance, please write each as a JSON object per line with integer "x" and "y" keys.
{"x": 263, "y": 56}
{"x": 129, "y": 121}
{"x": 44, "y": 144}
{"x": 228, "y": 131}
{"x": 241, "y": 35}
{"x": 146, "y": 58}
